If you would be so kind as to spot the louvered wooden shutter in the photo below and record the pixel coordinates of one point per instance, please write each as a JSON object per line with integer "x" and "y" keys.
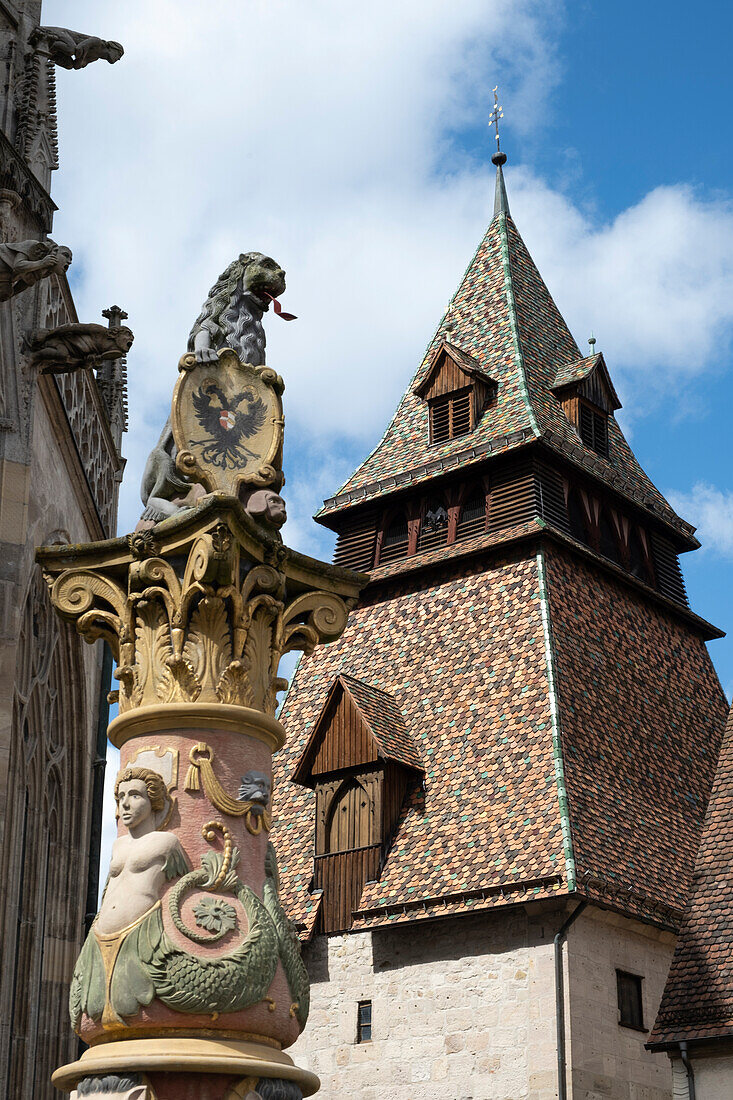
{"x": 355, "y": 544}
{"x": 594, "y": 429}
{"x": 450, "y": 416}
{"x": 473, "y": 516}
{"x": 669, "y": 574}
{"x": 512, "y": 498}
{"x": 395, "y": 541}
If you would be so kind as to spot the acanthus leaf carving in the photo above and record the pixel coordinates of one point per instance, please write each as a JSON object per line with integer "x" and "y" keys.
{"x": 199, "y": 623}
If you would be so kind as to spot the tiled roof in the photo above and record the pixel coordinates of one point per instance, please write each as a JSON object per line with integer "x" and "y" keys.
{"x": 572, "y": 373}
{"x": 461, "y": 358}
{"x": 464, "y": 659}
{"x": 504, "y": 317}
{"x": 698, "y": 999}
{"x": 575, "y": 372}
{"x": 464, "y": 656}
{"x": 642, "y": 715}
{"x": 385, "y": 720}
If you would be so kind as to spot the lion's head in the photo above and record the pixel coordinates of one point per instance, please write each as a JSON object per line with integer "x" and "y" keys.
{"x": 237, "y": 301}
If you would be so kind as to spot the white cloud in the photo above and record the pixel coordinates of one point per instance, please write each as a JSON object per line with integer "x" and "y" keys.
{"x": 316, "y": 132}
{"x": 655, "y": 284}
{"x": 711, "y": 510}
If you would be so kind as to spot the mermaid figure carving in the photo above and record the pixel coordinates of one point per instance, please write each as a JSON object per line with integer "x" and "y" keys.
{"x": 128, "y": 959}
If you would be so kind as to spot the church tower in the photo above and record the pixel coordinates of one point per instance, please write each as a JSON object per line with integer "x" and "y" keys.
{"x": 495, "y": 783}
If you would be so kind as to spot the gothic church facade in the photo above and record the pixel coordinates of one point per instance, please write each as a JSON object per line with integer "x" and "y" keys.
{"x": 492, "y": 797}
{"x": 60, "y": 469}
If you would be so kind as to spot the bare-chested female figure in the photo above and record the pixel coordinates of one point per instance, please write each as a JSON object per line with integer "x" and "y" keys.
{"x": 143, "y": 860}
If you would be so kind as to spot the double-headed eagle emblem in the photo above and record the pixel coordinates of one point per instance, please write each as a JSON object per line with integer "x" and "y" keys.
{"x": 228, "y": 422}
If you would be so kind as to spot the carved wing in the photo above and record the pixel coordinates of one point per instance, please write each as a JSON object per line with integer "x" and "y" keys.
{"x": 206, "y": 413}
{"x": 248, "y": 423}
{"x": 86, "y": 994}
{"x": 176, "y": 864}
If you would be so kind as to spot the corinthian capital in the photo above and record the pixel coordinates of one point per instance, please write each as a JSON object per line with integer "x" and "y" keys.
{"x": 203, "y": 610}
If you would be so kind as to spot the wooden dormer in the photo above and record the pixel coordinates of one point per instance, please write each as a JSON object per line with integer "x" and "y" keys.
{"x": 457, "y": 390}
{"x": 359, "y": 760}
{"x": 585, "y": 391}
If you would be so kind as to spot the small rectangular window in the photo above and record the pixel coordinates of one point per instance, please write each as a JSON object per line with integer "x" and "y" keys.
{"x": 364, "y": 1022}
{"x": 630, "y": 1006}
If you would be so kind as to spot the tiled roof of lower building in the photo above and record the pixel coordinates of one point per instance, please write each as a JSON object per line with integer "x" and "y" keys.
{"x": 464, "y": 659}
{"x": 608, "y": 795}
{"x": 698, "y": 999}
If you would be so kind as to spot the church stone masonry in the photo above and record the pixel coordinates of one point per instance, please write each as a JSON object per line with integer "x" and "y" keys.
{"x": 502, "y": 767}
{"x": 62, "y": 417}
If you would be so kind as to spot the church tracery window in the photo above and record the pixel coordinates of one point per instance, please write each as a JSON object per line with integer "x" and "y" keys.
{"x": 42, "y": 847}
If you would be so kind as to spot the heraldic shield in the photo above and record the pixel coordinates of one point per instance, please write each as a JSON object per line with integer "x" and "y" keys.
{"x": 227, "y": 422}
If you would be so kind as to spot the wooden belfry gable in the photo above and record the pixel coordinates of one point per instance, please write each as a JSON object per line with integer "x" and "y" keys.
{"x": 359, "y": 760}
{"x": 456, "y": 390}
{"x": 588, "y": 398}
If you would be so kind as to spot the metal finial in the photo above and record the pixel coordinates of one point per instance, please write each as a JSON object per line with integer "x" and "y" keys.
{"x": 497, "y": 113}
{"x": 592, "y": 342}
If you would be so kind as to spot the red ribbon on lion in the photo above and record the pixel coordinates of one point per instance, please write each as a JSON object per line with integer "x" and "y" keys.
{"x": 279, "y": 309}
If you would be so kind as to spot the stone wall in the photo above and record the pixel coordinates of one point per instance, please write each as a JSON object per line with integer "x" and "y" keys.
{"x": 464, "y": 1009}
{"x": 461, "y": 1009}
{"x": 609, "y": 1060}
{"x": 713, "y": 1075}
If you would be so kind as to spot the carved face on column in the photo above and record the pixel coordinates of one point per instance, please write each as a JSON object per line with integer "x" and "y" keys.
{"x": 133, "y": 803}
{"x": 256, "y": 788}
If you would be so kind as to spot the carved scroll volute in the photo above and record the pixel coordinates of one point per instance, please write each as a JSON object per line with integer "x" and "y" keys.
{"x": 190, "y": 629}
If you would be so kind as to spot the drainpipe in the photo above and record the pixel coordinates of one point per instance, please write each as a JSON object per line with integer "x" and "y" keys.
{"x": 98, "y": 769}
{"x": 562, "y": 1088}
{"x": 688, "y": 1068}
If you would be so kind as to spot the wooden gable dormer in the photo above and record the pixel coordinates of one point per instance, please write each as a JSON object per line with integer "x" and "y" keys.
{"x": 359, "y": 761}
{"x": 586, "y": 393}
{"x": 456, "y": 390}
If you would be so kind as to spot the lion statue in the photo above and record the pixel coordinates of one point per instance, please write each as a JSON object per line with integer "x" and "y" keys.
{"x": 231, "y": 317}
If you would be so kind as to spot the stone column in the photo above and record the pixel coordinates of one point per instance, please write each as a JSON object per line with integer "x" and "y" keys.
{"x": 190, "y": 983}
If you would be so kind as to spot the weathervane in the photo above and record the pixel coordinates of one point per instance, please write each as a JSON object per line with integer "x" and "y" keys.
{"x": 496, "y": 114}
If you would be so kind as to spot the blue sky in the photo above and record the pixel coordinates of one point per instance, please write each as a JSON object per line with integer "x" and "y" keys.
{"x": 350, "y": 142}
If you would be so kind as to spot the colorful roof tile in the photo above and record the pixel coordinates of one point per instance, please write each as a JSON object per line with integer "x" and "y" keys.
{"x": 573, "y": 373}
{"x": 698, "y": 999}
{"x": 464, "y": 654}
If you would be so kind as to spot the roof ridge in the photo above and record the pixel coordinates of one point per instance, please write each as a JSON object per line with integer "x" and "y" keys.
{"x": 502, "y": 218}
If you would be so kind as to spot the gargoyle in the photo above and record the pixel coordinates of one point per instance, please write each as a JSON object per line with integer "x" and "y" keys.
{"x": 76, "y": 346}
{"x": 23, "y": 263}
{"x": 231, "y": 317}
{"x": 75, "y": 50}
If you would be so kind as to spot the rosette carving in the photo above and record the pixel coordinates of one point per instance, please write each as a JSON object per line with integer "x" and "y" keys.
{"x": 201, "y": 624}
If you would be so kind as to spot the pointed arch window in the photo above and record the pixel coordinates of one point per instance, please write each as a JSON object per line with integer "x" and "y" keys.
{"x": 607, "y": 539}
{"x": 577, "y": 518}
